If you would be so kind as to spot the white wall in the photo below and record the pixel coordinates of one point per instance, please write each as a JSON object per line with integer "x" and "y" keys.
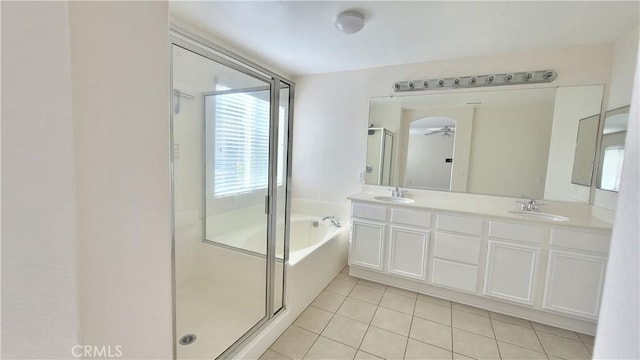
{"x": 572, "y": 104}
{"x": 623, "y": 67}
{"x": 39, "y": 285}
{"x": 618, "y": 335}
{"x": 331, "y": 109}
{"x": 120, "y": 62}
{"x": 523, "y": 156}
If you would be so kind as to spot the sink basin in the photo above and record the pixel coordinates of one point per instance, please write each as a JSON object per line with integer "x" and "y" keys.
{"x": 396, "y": 200}
{"x": 534, "y": 215}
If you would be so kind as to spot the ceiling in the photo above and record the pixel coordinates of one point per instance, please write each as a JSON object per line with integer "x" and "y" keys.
{"x": 299, "y": 37}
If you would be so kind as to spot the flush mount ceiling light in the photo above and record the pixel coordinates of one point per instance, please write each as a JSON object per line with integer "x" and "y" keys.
{"x": 350, "y": 21}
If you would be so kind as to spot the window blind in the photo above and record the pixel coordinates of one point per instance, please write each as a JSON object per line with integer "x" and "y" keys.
{"x": 241, "y": 143}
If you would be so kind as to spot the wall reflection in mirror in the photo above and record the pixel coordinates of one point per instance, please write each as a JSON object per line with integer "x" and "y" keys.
{"x": 586, "y": 142}
{"x": 612, "y": 148}
{"x": 500, "y": 142}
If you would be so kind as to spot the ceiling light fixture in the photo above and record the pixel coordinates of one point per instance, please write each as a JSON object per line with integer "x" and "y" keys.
{"x": 350, "y": 21}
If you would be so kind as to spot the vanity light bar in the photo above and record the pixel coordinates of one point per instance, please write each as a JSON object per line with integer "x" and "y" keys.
{"x": 518, "y": 78}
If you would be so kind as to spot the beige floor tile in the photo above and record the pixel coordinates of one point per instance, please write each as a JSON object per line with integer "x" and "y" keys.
{"x": 457, "y": 356}
{"x": 345, "y": 330}
{"x": 420, "y": 351}
{"x": 384, "y": 343}
{"x": 473, "y": 323}
{"x": 398, "y": 302}
{"x": 434, "y": 300}
{"x": 372, "y": 284}
{"x": 408, "y": 293}
{"x": 327, "y": 349}
{"x": 470, "y": 309}
{"x": 272, "y": 355}
{"x": 294, "y": 342}
{"x": 328, "y": 301}
{"x": 510, "y": 319}
{"x": 367, "y": 294}
{"x": 392, "y": 320}
{"x": 313, "y": 319}
{"x": 563, "y": 347}
{"x": 357, "y": 310}
{"x": 587, "y": 339}
{"x": 476, "y": 346}
{"x": 553, "y": 357}
{"x": 516, "y": 335}
{"x": 341, "y": 287}
{"x": 555, "y": 331}
{"x": 347, "y": 277}
{"x": 512, "y": 352}
{"x": 434, "y": 312}
{"x": 361, "y": 355}
{"x": 431, "y": 333}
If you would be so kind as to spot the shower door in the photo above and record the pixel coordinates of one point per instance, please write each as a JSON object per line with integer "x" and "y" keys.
{"x": 230, "y": 164}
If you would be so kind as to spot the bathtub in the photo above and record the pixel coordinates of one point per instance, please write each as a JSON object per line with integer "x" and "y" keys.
{"x": 316, "y": 255}
{"x": 307, "y": 233}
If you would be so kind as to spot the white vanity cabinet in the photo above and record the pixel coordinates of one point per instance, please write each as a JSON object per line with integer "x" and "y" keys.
{"x": 540, "y": 271}
{"x": 512, "y": 261}
{"x": 457, "y": 252}
{"x": 575, "y": 272}
{"x": 409, "y": 243}
{"x": 368, "y": 230}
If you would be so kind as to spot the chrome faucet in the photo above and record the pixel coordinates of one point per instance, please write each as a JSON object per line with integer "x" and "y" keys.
{"x": 333, "y": 220}
{"x": 529, "y": 204}
{"x": 397, "y": 193}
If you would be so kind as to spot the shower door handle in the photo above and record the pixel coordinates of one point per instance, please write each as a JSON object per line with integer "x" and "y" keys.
{"x": 266, "y": 204}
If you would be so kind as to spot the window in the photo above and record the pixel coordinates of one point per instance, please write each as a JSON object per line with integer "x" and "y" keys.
{"x": 612, "y": 168}
{"x": 241, "y": 143}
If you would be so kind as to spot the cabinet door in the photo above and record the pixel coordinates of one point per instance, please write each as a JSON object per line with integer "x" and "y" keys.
{"x": 511, "y": 270}
{"x": 574, "y": 283}
{"x": 367, "y": 244}
{"x": 408, "y": 252}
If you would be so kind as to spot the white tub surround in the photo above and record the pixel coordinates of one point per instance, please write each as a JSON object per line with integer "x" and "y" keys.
{"x": 317, "y": 255}
{"x": 477, "y": 253}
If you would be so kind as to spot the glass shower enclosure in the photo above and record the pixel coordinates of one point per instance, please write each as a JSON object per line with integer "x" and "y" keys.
{"x": 231, "y": 123}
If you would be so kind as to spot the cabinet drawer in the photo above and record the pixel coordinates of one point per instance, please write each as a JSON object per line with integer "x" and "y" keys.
{"x": 598, "y": 242}
{"x": 530, "y": 234}
{"x": 459, "y": 248}
{"x": 407, "y": 217}
{"x": 369, "y": 212}
{"x": 459, "y": 276}
{"x": 460, "y": 224}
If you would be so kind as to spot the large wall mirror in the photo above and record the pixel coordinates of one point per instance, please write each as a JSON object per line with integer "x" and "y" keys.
{"x": 510, "y": 142}
{"x": 614, "y": 133}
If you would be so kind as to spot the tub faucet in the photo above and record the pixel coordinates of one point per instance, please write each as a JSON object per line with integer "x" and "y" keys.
{"x": 333, "y": 220}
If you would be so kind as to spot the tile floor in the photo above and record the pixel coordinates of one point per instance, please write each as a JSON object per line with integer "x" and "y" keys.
{"x": 359, "y": 319}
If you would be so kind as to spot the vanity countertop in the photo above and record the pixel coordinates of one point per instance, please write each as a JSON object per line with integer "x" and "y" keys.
{"x": 495, "y": 209}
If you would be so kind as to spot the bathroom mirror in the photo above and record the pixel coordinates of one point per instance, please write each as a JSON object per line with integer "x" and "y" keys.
{"x": 505, "y": 142}
{"x": 611, "y": 153}
{"x": 585, "y": 155}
